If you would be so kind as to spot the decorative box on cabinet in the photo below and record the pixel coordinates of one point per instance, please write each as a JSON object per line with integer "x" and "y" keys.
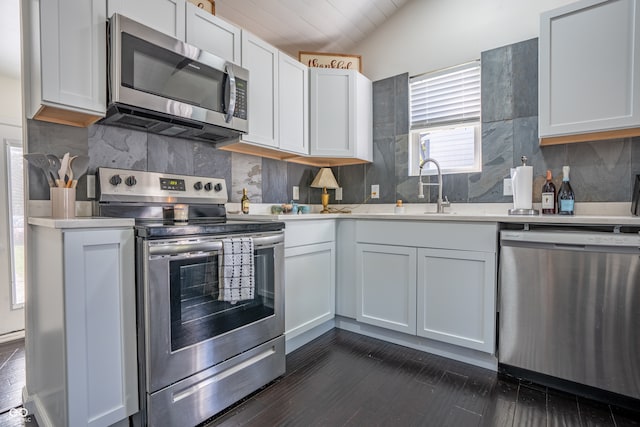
{"x": 64, "y": 61}
{"x": 340, "y": 116}
{"x": 80, "y": 343}
{"x": 589, "y": 71}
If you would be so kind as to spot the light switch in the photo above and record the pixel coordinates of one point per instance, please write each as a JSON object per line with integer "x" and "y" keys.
{"x": 338, "y": 193}
{"x": 507, "y": 189}
{"x": 296, "y": 192}
{"x": 375, "y": 191}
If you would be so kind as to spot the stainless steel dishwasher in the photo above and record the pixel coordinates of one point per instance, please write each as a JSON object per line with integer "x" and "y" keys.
{"x": 570, "y": 306}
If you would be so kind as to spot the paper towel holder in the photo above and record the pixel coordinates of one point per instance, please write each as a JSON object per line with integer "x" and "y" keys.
{"x": 524, "y": 212}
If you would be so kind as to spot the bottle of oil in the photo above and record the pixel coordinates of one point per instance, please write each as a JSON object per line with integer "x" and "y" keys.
{"x": 245, "y": 201}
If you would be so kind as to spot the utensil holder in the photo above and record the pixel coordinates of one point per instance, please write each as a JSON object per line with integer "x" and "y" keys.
{"x": 63, "y": 202}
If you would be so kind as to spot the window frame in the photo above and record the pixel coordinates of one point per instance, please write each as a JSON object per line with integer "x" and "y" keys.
{"x": 415, "y": 130}
{"x": 10, "y": 143}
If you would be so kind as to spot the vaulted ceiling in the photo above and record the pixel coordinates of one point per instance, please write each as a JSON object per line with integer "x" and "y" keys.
{"x": 290, "y": 25}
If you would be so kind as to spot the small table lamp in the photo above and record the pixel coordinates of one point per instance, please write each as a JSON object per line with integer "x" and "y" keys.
{"x": 324, "y": 180}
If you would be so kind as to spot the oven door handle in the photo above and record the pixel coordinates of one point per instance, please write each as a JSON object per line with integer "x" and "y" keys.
{"x": 177, "y": 248}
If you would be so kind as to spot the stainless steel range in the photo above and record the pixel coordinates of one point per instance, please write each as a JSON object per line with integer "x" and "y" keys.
{"x": 201, "y": 347}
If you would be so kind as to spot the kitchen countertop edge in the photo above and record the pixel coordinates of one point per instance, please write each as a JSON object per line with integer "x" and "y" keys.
{"x": 453, "y": 217}
{"x": 82, "y": 222}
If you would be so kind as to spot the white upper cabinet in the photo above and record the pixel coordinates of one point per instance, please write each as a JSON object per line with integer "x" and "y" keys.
{"x": 293, "y": 104}
{"x": 167, "y": 16}
{"x": 340, "y": 114}
{"x": 64, "y": 61}
{"x": 261, "y": 59}
{"x": 589, "y": 71}
{"x": 212, "y": 34}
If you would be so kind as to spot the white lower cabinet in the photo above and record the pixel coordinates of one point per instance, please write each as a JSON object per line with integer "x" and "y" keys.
{"x": 386, "y": 286}
{"x": 80, "y": 345}
{"x": 310, "y": 275}
{"x": 445, "y": 292}
{"x": 456, "y": 297}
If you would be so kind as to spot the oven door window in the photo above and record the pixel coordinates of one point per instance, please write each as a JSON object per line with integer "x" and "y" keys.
{"x": 161, "y": 72}
{"x": 197, "y": 314}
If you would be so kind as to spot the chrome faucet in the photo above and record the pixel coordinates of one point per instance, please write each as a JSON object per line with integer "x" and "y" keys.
{"x": 441, "y": 204}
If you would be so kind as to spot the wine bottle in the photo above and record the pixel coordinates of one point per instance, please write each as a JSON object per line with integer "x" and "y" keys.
{"x": 245, "y": 201}
{"x": 566, "y": 197}
{"x": 549, "y": 196}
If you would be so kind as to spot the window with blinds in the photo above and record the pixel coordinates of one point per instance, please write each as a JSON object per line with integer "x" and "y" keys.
{"x": 445, "y": 119}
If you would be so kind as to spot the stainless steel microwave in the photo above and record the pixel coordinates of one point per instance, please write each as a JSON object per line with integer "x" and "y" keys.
{"x": 162, "y": 85}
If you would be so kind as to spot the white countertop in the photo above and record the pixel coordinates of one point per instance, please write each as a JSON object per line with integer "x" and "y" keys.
{"x": 592, "y": 214}
{"x": 82, "y": 222}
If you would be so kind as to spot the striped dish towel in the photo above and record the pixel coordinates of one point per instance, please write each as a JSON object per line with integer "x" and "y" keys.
{"x": 237, "y": 281}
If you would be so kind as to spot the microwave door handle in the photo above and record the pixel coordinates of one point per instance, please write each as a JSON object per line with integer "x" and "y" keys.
{"x": 230, "y": 89}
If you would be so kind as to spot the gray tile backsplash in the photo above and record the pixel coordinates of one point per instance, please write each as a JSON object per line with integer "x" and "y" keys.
{"x": 600, "y": 171}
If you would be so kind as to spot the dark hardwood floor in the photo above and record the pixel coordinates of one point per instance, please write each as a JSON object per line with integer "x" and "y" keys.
{"x": 12, "y": 379}
{"x": 346, "y": 379}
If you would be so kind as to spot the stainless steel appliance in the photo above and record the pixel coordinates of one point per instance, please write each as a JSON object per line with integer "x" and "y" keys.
{"x": 162, "y": 85}
{"x": 198, "y": 353}
{"x": 569, "y": 305}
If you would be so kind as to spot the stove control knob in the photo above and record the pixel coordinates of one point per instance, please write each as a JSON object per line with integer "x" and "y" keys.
{"x": 198, "y": 186}
{"x": 208, "y": 186}
{"x": 218, "y": 187}
{"x": 130, "y": 181}
{"x": 115, "y": 180}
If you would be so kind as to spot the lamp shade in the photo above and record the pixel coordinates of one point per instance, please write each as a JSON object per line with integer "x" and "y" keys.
{"x": 325, "y": 179}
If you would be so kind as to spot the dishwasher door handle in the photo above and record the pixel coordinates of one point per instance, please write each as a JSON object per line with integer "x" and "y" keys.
{"x": 569, "y": 246}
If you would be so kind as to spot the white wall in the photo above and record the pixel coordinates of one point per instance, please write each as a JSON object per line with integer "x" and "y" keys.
{"x": 428, "y": 35}
{"x": 11, "y": 104}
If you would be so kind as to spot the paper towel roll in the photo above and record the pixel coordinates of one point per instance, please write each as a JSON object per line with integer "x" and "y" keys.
{"x": 522, "y": 183}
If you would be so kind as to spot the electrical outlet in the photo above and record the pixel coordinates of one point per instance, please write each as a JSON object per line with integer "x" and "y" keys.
{"x": 375, "y": 191}
{"x": 296, "y": 192}
{"x": 91, "y": 186}
{"x": 338, "y": 194}
{"x": 507, "y": 188}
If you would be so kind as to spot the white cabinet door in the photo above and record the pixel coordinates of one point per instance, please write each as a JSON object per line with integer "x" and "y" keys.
{"x": 386, "y": 286}
{"x": 100, "y": 326}
{"x": 589, "y": 64}
{"x": 261, "y": 59}
{"x": 65, "y": 62}
{"x": 212, "y": 34}
{"x": 332, "y": 112}
{"x": 167, "y": 16}
{"x": 456, "y": 297}
{"x": 309, "y": 287}
{"x": 340, "y": 114}
{"x": 293, "y": 104}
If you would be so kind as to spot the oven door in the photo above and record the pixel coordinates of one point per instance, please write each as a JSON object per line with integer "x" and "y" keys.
{"x": 188, "y": 328}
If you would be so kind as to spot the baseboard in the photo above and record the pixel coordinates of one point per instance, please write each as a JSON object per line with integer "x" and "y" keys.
{"x": 461, "y": 354}
{"x": 12, "y": 336}
{"x": 308, "y": 336}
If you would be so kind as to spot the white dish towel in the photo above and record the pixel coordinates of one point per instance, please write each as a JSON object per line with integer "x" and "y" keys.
{"x": 237, "y": 281}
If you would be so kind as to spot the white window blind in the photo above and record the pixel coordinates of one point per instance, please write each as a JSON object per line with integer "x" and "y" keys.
{"x": 448, "y": 96}
{"x": 445, "y": 119}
